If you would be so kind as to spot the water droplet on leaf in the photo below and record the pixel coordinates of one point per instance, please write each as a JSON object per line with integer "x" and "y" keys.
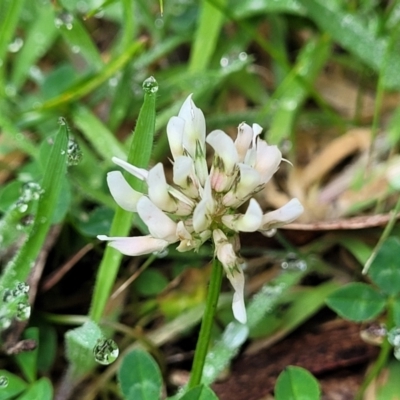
{"x": 150, "y": 85}
{"x": 106, "y": 351}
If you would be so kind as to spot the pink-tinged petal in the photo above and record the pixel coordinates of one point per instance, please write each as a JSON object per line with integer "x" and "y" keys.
{"x": 160, "y": 225}
{"x": 243, "y": 140}
{"x": 195, "y": 127}
{"x": 121, "y": 191}
{"x": 248, "y": 222}
{"x": 140, "y": 173}
{"x": 175, "y": 129}
{"x": 249, "y": 182}
{"x": 135, "y": 246}
{"x": 158, "y": 189}
{"x": 268, "y": 159}
{"x": 282, "y": 216}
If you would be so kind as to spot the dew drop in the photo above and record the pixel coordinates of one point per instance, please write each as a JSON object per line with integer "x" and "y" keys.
{"x": 150, "y": 85}
{"x": 4, "y": 323}
{"x": 20, "y": 288}
{"x": 23, "y": 311}
{"x": 64, "y": 19}
{"x": 3, "y": 382}
{"x": 243, "y": 56}
{"x": 62, "y": 121}
{"x": 159, "y": 23}
{"x": 105, "y": 351}
{"x": 75, "y": 49}
{"x": 8, "y": 296}
{"x": 74, "y": 153}
{"x": 394, "y": 337}
{"x": 16, "y": 45}
{"x": 292, "y": 263}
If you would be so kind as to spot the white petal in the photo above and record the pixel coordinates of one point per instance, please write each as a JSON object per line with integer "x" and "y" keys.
{"x": 158, "y": 189}
{"x": 135, "y": 246}
{"x": 268, "y": 159}
{"x": 203, "y": 210}
{"x": 140, "y": 173}
{"x": 243, "y": 140}
{"x": 238, "y": 306}
{"x": 282, "y": 216}
{"x": 175, "y": 130}
{"x": 159, "y": 224}
{"x": 248, "y": 222}
{"x": 195, "y": 126}
{"x": 224, "y": 148}
{"x": 249, "y": 181}
{"x": 122, "y": 192}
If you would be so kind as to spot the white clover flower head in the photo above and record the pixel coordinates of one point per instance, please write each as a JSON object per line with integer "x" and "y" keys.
{"x": 202, "y": 204}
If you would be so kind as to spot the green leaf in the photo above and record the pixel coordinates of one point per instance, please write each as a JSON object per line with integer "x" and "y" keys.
{"x": 27, "y": 360}
{"x": 150, "y": 282}
{"x": 41, "y": 389}
{"x": 200, "y": 393}
{"x": 357, "y": 302}
{"x": 206, "y": 36}
{"x": 296, "y": 383}
{"x": 14, "y": 387}
{"x": 140, "y": 377}
{"x": 385, "y": 269}
{"x": 79, "y": 343}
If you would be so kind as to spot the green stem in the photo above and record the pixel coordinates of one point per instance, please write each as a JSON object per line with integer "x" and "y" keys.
{"x": 206, "y": 324}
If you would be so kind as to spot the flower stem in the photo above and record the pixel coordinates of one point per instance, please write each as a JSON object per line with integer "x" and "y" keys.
{"x": 206, "y": 324}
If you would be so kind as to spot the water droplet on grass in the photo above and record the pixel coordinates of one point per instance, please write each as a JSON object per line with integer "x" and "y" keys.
{"x": 23, "y": 311}
{"x": 106, "y": 351}
{"x": 394, "y": 337}
{"x": 3, "y": 382}
{"x": 16, "y": 45}
{"x": 292, "y": 263}
{"x": 74, "y": 153}
{"x": 150, "y": 85}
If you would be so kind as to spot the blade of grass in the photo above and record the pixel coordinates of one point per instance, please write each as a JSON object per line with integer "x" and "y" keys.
{"x": 9, "y": 17}
{"x": 101, "y": 139}
{"x": 350, "y": 31}
{"x": 292, "y": 93}
{"x": 91, "y": 84}
{"x": 19, "y": 268}
{"x": 139, "y": 155}
{"x": 79, "y": 41}
{"x": 39, "y": 37}
{"x": 206, "y": 35}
